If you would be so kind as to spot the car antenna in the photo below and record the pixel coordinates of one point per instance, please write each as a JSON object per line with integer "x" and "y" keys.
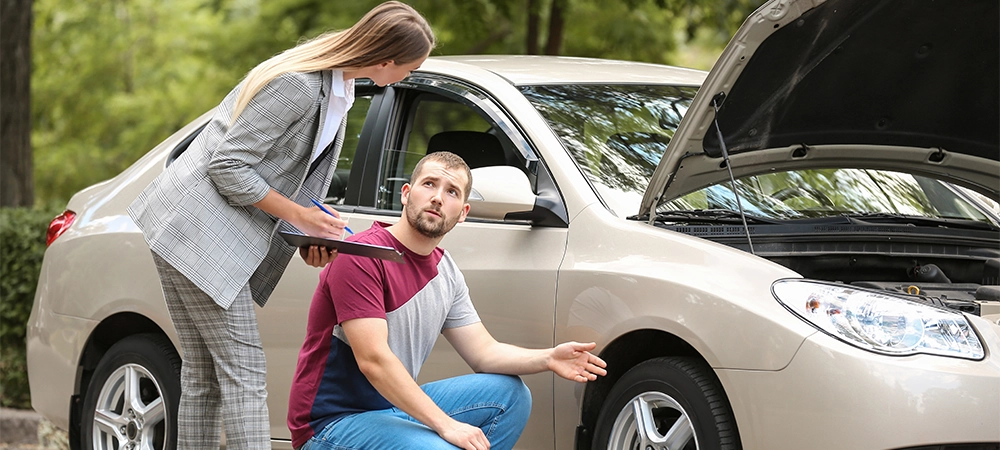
{"x": 716, "y": 101}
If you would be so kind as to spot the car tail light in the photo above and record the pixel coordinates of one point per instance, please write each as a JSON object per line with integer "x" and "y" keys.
{"x": 59, "y": 225}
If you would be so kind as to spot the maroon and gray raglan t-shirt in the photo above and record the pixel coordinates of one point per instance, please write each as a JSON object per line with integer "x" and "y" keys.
{"x": 417, "y": 298}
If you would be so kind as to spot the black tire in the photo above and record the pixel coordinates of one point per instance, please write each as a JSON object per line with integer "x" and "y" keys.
{"x": 146, "y": 419}
{"x": 683, "y": 406}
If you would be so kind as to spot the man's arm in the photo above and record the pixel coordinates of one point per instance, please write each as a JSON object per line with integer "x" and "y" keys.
{"x": 369, "y": 341}
{"x": 570, "y": 360}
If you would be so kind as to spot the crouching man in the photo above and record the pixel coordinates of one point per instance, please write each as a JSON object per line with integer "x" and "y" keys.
{"x": 372, "y": 323}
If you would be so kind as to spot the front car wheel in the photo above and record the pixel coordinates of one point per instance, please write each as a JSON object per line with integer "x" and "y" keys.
{"x": 131, "y": 402}
{"x": 667, "y": 404}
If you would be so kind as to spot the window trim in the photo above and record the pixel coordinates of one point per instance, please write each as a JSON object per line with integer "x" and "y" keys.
{"x": 550, "y": 208}
{"x": 368, "y": 141}
{"x": 473, "y": 97}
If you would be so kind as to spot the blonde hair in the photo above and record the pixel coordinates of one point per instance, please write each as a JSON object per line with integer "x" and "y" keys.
{"x": 392, "y": 31}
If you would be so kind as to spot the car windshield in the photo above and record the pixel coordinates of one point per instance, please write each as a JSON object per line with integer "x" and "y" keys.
{"x": 802, "y": 194}
{"x": 615, "y": 133}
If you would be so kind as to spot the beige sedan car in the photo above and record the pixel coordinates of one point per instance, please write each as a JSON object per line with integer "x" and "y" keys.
{"x": 797, "y": 264}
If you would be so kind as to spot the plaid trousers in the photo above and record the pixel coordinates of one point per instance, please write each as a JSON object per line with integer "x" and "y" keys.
{"x": 223, "y": 369}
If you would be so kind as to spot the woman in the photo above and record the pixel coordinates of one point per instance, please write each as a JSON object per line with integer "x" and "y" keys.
{"x": 211, "y": 217}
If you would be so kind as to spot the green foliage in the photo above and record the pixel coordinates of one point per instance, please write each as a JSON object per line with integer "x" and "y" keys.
{"x": 112, "y": 79}
{"x": 22, "y": 244}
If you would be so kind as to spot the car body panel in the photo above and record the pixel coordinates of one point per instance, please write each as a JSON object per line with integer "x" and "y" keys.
{"x": 698, "y": 172}
{"x": 815, "y": 87}
{"x": 624, "y": 276}
{"x": 523, "y": 70}
{"x": 666, "y": 284}
{"x": 526, "y": 281}
{"x": 53, "y": 357}
{"x": 894, "y": 402}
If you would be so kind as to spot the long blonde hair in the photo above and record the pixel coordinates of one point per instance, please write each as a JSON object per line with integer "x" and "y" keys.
{"x": 392, "y": 31}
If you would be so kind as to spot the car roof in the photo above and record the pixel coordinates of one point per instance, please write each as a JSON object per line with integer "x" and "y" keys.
{"x": 523, "y": 70}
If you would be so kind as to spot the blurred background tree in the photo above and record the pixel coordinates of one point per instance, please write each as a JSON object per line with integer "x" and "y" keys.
{"x": 16, "y": 184}
{"x": 112, "y": 78}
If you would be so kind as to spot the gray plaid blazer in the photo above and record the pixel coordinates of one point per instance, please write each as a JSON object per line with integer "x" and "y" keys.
{"x": 198, "y": 215}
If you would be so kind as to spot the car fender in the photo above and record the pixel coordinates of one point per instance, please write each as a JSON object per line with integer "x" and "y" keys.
{"x": 623, "y": 276}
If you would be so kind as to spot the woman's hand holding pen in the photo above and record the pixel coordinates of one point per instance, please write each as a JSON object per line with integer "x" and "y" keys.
{"x": 319, "y": 221}
{"x": 331, "y": 212}
{"x": 325, "y": 224}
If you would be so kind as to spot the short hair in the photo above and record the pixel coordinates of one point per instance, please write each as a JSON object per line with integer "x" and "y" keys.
{"x": 450, "y": 161}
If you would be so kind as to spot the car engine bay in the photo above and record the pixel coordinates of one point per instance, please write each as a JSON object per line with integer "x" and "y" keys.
{"x": 959, "y": 272}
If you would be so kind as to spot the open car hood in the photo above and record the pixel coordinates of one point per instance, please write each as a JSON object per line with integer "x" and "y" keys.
{"x": 904, "y": 85}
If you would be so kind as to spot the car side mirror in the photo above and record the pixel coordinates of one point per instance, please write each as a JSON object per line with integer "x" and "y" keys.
{"x": 498, "y": 191}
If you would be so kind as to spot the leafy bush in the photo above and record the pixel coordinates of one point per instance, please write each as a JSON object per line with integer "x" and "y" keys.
{"x": 22, "y": 245}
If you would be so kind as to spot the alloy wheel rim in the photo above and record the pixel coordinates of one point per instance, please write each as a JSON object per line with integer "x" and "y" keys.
{"x": 130, "y": 413}
{"x": 653, "y": 421}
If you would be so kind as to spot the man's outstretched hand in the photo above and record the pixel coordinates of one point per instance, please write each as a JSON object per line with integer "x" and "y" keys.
{"x": 573, "y": 361}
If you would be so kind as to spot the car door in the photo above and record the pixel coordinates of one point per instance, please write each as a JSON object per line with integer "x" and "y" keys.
{"x": 510, "y": 266}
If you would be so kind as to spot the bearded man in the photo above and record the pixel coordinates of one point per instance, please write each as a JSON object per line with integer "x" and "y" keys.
{"x": 372, "y": 324}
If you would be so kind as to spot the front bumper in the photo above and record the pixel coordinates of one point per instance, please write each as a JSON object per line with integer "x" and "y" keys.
{"x": 833, "y": 396}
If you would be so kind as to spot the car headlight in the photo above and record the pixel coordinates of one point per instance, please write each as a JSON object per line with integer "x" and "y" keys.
{"x": 878, "y": 322}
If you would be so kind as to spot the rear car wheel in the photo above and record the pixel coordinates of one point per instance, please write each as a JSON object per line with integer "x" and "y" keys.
{"x": 132, "y": 399}
{"x": 667, "y": 404}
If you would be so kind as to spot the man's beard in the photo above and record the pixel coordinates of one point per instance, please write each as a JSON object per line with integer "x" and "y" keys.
{"x": 425, "y": 227}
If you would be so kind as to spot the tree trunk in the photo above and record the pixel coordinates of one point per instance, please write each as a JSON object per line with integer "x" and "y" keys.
{"x": 556, "y": 22}
{"x": 532, "y": 38}
{"x": 16, "y": 178}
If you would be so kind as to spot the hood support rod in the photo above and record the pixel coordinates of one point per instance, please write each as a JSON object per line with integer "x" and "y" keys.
{"x": 716, "y": 101}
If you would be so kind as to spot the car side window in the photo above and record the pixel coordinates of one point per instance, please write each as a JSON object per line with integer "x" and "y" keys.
{"x": 355, "y": 122}
{"x": 436, "y": 123}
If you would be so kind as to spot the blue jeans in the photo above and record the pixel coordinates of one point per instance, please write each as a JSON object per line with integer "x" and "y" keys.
{"x": 497, "y": 404}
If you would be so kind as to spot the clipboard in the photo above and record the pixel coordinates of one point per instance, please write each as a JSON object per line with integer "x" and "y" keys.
{"x": 347, "y": 247}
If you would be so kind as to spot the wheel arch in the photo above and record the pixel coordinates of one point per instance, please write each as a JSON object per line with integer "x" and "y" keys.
{"x": 111, "y": 330}
{"x": 622, "y": 354}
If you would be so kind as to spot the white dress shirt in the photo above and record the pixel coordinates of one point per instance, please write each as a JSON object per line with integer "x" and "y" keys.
{"x": 341, "y": 99}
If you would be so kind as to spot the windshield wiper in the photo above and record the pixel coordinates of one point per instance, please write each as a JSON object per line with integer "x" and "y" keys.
{"x": 918, "y": 220}
{"x": 708, "y": 216}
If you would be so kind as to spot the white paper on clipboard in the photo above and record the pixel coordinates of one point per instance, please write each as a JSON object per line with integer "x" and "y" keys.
{"x": 348, "y": 247}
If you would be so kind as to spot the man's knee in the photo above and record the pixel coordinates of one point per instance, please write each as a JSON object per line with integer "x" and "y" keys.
{"x": 511, "y": 383}
{"x": 518, "y": 390}
{"x": 517, "y": 393}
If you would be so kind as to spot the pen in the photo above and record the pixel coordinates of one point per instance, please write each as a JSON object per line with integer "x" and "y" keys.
{"x": 320, "y": 205}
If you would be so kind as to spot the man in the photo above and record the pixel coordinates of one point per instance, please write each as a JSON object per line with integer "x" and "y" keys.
{"x": 372, "y": 323}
